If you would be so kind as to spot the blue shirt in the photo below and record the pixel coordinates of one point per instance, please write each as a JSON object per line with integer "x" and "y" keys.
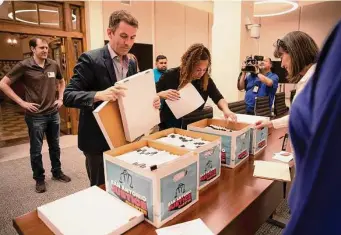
{"x": 263, "y": 90}
{"x": 315, "y": 128}
{"x": 157, "y": 75}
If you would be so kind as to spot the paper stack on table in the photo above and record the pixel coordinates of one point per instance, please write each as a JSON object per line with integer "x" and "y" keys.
{"x": 272, "y": 170}
{"x": 189, "y": 101}
{"x": 90, "y": 211}
{"x": 137, "y": 111}
{"x": 146, "y": 157}
{"x": 195, "y": 227}
{"x": 183, "y": 141}
{"x": 283, "y": 156}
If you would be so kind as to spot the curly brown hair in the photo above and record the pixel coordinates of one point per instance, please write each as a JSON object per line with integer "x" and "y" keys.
{"x": 192, "y": 56}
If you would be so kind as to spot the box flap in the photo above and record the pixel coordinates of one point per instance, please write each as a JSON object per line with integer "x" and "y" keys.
{"x": 108, "y": 117}
{"x": 137, "y": 111}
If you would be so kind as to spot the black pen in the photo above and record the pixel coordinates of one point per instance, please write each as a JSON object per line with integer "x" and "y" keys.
{"x": 285, "y": 141}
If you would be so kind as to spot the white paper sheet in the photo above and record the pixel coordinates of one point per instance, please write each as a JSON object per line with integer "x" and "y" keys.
{"x": 283, "y": 156}
{"x": 197, "y": 227}
{"x": 190, "y": 100}
{"x": 90, "y": 211}
{"x": 272, "y": 170}
{"x": 146, "y": 157}
{"x": 183, "y": 141}
{"x": 137, "y": 111}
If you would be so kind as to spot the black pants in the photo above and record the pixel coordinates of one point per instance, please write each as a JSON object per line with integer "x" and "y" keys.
{"x": 95, "y": 168}
{"x": 37, "y": 127}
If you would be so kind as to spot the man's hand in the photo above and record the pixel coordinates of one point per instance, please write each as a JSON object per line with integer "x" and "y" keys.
{"x": 32, "y": 107}
{"x": 112, "y": 93}
{"x": 58, "y": 103}
{"x": 230, "y": 115}
{"x": 156, "y": 103}
{"x": 170, "y": 94}
{"x": 264, "y": 123}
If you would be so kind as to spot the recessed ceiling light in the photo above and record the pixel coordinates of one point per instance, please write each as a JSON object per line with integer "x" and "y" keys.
{"x": 291, "y": 4}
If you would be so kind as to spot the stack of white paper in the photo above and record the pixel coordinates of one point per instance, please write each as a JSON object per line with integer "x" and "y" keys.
{"x": 88, "y": 212}
{"x": 283, "y": 156}
{"x": 147, "y": 156}
{"x": 137, "y": 104}
{"x": 183, "y": 141}
{"x": 190, "y": 100}
{"x": 272, "y": 170}
{"x": 197, "y": 227}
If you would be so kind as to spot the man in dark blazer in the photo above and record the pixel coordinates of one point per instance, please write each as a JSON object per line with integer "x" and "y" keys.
{"x": 95, "y": 75}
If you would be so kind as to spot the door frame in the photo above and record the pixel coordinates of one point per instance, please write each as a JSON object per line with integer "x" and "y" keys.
{"x": 67, "y": 33}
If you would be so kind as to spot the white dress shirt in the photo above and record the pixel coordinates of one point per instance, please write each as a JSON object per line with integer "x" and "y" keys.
{"x": 121, "y": 67}
{"x": 284, "y": 121}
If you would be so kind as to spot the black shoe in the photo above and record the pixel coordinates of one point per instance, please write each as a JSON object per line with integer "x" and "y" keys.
{"x": 62, "y": 178}
{"x": 40, "y": 186}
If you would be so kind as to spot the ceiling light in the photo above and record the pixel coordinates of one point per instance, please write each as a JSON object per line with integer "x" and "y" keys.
{"x": 10, "y": 15}
{"x": 292, "y": 4}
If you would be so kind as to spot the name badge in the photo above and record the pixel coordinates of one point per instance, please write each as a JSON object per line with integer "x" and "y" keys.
{"x": 51, "y": 74}
{"x": 255, "y": 89}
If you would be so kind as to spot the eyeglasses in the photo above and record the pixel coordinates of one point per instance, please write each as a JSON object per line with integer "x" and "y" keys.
{"x": 279, "y": 44}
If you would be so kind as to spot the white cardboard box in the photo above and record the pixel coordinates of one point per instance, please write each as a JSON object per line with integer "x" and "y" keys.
{"x": 90, "y": 211}
{"x": 259, "y": 138}
{"x": 160, "y": 194}
{"x": 234, "y": 145}
{"x": 208, "y": 154}
{"x": 137, "y": 104}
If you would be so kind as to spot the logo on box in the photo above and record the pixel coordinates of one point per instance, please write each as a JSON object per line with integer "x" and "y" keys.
{"x": 123, "y": 189}
{"x": 180, "y": 201}
{"x": 210, "y": 172}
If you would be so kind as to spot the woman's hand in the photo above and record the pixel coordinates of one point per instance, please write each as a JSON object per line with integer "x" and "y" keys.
{"x": 170, "y": 95}
{"x": 263, "y": 123}
{"x": 230, "y": 115}
{"x": 156, "y": 102}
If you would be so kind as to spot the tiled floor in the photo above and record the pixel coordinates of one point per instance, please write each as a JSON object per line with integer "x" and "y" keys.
{"x": 12, "y": 123}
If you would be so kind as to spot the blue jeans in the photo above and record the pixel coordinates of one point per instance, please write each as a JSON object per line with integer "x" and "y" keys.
{"x": 38, "y": 126}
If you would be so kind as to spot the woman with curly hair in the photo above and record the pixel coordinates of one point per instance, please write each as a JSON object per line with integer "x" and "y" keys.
{"x": 194, "y": 68}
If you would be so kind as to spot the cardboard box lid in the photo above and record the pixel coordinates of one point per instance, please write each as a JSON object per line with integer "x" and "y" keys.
{"x": 86, "y": 217}
{"x": 109, "y": 119}
{"x": 137, "y": 111}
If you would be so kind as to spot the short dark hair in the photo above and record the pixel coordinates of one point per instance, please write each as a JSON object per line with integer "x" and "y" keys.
{"x": 33, "y": 41}
{"x": 160, "y": 57}
{"x": 117, "y": 16}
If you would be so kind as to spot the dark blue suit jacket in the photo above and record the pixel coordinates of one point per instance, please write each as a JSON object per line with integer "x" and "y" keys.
{"x": 93, "y": 72}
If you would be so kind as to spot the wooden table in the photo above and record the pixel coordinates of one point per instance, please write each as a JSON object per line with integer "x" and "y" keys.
{"x": 237, "y": 203}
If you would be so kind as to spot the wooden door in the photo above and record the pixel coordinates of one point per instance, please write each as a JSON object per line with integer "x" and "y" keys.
{"x": 57, "y": 52}
{"x": 74, "y": 50}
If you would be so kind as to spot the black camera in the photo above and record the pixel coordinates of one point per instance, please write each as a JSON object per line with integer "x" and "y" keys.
{"x": 251, "y": 63}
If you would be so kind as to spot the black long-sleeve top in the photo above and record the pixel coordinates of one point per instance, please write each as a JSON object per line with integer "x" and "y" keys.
{"x": 171, "y": 80}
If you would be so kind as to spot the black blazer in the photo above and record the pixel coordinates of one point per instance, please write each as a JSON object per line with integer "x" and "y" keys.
{"x": 93, "y": 72}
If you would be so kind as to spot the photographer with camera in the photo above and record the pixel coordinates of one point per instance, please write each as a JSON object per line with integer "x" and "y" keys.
{"x": 259, "y": 82}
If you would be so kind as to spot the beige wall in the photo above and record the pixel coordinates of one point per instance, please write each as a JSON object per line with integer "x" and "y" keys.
{"x": 170, "y": 26}
{"x": 317, "y": 20}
